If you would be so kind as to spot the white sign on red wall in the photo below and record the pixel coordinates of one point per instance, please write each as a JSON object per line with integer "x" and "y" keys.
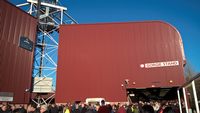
{"x": 160, "y": 64}
{"x": 6, "y": 96}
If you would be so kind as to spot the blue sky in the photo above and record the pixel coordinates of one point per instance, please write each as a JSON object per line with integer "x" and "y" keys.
{"x": 183, "y": 14}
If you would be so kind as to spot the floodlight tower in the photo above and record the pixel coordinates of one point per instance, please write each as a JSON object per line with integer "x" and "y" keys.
{"x": 50, "y": 15}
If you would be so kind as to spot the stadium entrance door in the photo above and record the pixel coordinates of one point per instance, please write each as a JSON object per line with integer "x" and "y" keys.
{"x": 148, "y": 94}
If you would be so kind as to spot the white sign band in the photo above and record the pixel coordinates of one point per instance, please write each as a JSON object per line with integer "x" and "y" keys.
{"x": 160, "y": 64}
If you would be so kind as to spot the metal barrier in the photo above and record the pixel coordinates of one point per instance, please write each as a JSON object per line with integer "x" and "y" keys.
{"x": 189, "y": 96}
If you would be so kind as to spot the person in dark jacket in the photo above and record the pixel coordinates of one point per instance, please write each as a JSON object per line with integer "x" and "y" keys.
{"x": 77, "y": 110}
{"x": 31, "y": 108}
{"x": 147, "y": 109}
{"x": 84, "y": 108}
{"x": 4, "y": 109}
{"x": 91, "y": 109}
{"x": 53, "y": 109}
{"x": 60, "y": 108}
{"x": 168, "y": 110}
{"x": 129, "y": 109}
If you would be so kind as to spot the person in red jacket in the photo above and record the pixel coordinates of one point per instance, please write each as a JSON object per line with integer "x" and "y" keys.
{"x": 121, "y": 109}
{"x": 103, "y": 108}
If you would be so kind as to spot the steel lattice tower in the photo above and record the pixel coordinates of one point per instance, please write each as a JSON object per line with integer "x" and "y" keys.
{"x": 50, "y": 16}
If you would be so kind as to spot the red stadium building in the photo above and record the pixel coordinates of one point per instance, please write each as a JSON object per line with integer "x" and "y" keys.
{"x": 17, "y": 38}
{"x": 113, "y": 59}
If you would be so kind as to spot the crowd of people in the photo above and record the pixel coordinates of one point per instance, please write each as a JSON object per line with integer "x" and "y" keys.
{"x": 140, "y": 107}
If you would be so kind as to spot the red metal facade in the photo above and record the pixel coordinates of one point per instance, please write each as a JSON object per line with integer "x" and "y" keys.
{"x": 15, "y": 62}
{"x": 94, "y": 60}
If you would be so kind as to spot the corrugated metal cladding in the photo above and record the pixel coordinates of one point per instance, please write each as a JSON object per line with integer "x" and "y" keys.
{"x": 15, "y": 62}
{"x": 94, "y": 60}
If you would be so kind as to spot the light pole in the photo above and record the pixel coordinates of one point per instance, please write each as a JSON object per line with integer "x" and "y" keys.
{"x": 125, "y": 85}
